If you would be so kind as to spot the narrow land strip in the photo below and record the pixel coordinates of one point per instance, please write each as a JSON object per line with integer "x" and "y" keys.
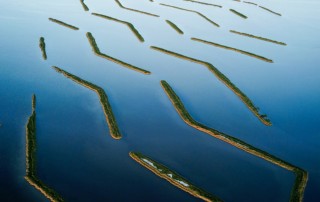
{"x": 134, "y": 10}
{"x": 85, "y": 7}
{"x": 63, "y": 24}
{"x": 258, "y": 37}
{"x": 107, "y": 109}
{"x": 42, "y": 46}
{"x": 172, "y": 177}
{"x": 174, "y": 26}
{"x": 31, "y": 164}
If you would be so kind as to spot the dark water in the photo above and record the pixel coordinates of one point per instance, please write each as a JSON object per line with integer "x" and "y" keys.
{"x": 76, "y": 155}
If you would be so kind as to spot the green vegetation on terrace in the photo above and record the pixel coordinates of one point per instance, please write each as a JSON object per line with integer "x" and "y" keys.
{"x": 233, "y": 49}
{"x": 131, "y": 27}
{"x": 258, "y": 37}
{"x": 270, "y": 10}
{"x": 225, "y": 80}
{"x": 42, "y": 46}
{"x": 301, "y": 175}
{"x": 31, "y": 164}
{"x": 248, "y": 2}
{"x": 85, "y": 7}
{"x": 183, "y": 9}
{"x": 175, "y": 27}
{"x": 172, "y": 177}
{"x": 111, "y": 120}
{"x": 208, "y": 4}
{"x": 96, "y": 50}
{"x": 238, "y": 13}
{"x": 63, "y": 24}
{"x": 134, "y": 10}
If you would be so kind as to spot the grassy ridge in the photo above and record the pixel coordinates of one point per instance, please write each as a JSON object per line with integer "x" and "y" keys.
{"x": 63, "y": 24}
{"x": 270, "y": 10}
{"x": 96, "y": 50}
{"x": 203, "y": 3}
{"x": 225, "y": 80}
{"x": 134, "y": 10}
{"x": 301, "y": 175}
{"x": 111, "y": 120}
{"x": 174, "y": 26}
{"x": 203, "y": 16}
{"x": 85, "y": 7}
{"x": 131, "y": 27}
{"x": 234, "y": 49}
{"x": 31, "y": 164}
{"x": 258, "y": 37}
{"x": 42, "y": 46}
{"x": 172, "y": 177}
{"x": 238, "y": 13}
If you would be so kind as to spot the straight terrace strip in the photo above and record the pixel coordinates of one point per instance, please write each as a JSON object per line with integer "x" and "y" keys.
{"x": 134, "y": 10}
{"x": 111, "y": 120}
{"x": 258, "y": 37}
{"x": 96, "y": 50}
{"x": 63, "y": 24}
{"x": 233, "y": 49}
{"x": 131, "y": 27}
{"x": 225, "y": 80}
{"x": 172, "y": 177}
{"x": 85, "y": 7}
{"x": 248, "y": 2}
{"x": 31, "y": 164}
{"x": 203, "y": 3}
{"x": 238, "y": 13}
{"x": 42, "y": 46}
{"x": 183, "y": 9}
{"x": 270, "y": 10}
{"x": 301, "y": 175}
{"x": 174, "y": 26}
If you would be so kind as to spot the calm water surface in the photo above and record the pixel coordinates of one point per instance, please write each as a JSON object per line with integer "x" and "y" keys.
{"x": 76, "y": 154}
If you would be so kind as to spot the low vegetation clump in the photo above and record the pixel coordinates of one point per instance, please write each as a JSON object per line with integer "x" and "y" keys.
{"x": 172, "y": 177}
{"x": 111, "y": 120}
{"x": 233, "y": 49}
{"x": 96, "y": 50}
{"x": 203, "y": 3}
{"x": 175, "y": 27}
{"x": 301, "y": 175}
{"x": 258, "y": 37}
{"x": 225, "y": 80}
{"x": 131, "y": 27}
{"x": 42, "y": 46}
{"x": 238, "y": 13}
{"x": 192, "y": 11}
{"x": 31, "y": 164}
{"x": 85, "y": 7}
{"x": 270, "y": 10}
{"x": 134, "y": 10}
{"x": 63, "y": 24}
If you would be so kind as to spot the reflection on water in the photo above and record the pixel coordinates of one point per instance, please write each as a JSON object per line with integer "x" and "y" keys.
{"x": 82, "y": 163}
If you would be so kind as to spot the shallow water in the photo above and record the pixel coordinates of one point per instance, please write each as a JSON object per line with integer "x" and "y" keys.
{"x": 76, "y": 154}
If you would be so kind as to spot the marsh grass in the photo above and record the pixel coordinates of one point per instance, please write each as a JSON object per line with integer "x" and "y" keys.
{"x": 258, "y": 37}
{"x": 238, "y": 13}
{"x": 134, "y": 10}
{"x": 174, "y": 26}
{"x": 42, "y": 46}
{"x": 85, "y": 7}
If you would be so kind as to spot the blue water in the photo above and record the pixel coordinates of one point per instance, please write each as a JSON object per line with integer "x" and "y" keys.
{"x": 76, "y": 155}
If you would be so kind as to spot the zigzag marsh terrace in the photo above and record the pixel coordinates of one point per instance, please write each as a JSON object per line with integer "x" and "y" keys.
{"x": 172, "y": 177}
{"x": 96, "y": 50}
{"x": 192, "y": 11}
{"x": 64, "y": 24}
{"x": 301, "y": 176}
{"x": 31, "y": 163}
{"x": 42, "y": 46}
{"x": 134, "y": 10}
{"x": 110, "y": 118}
{"x": 129, "y": 25}
{"x": 233, "y": 49}
{"x": 85, "y": 7}
{"x": 225, "y": 80}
